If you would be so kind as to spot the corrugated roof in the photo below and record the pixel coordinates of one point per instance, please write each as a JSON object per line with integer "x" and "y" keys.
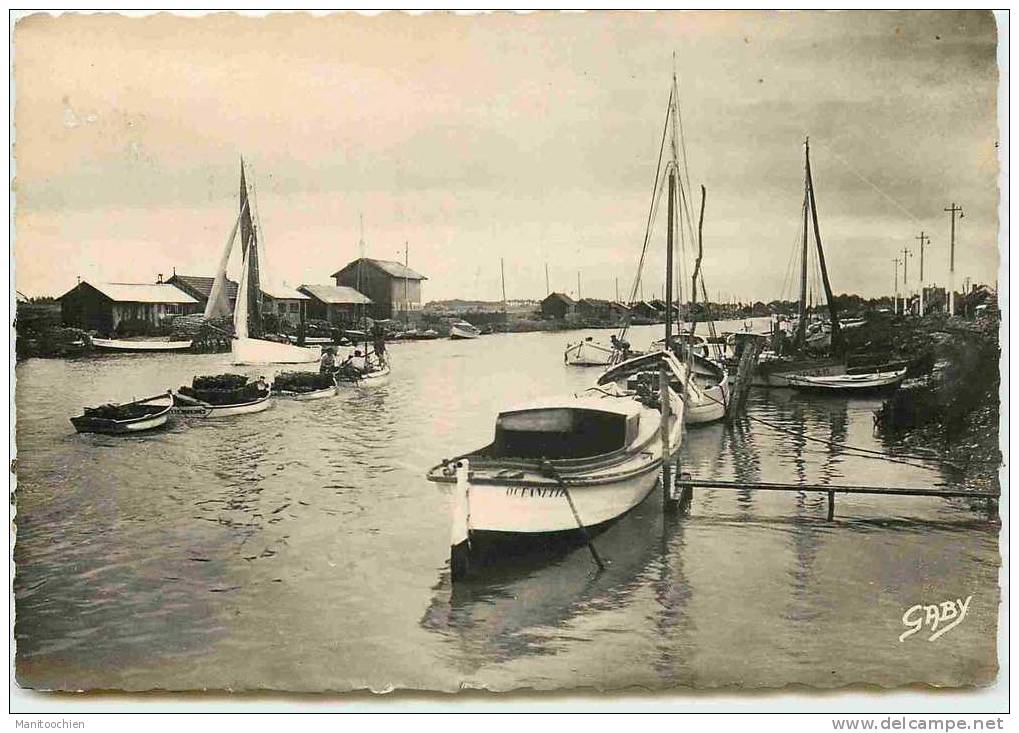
{"x": 281, "y": 292}
{"x": 203, "y": 285}
{"x": 389, "y": 267}
{"x": 338, "y": 294}
{"x": 143, "y": 292}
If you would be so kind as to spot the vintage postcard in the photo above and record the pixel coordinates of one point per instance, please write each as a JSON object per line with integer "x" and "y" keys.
{"x": 543, "y": 351}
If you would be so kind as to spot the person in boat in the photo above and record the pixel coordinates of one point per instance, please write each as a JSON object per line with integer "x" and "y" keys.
{"x": 379, "y": 344}
{"x": 621, "y": 345}
{"x": 327, "y": 364}
{"x": 348, "y": 369}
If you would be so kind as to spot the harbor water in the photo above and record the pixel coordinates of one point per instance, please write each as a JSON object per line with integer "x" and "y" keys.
{"x": 302, "y": 548}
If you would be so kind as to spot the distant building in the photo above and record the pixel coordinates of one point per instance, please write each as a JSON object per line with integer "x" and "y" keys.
{"x": 595, "y": 309}
{"x": 393, "y": 289}
{"x": 285, "y": 303}
{"x": 338, "y": 304}
{"x": 558, "y": 306}
{"x": 200, "y": 288}
{"x": 644, "y": 310}
{"x": 102, "y": 307}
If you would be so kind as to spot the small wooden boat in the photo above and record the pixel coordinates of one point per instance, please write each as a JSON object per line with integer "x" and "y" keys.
{"x": 132, "y": 417}
{"x": 588, "y": 353}
{"x": 237, "y": 398}
{"x": 361, "y": 371}
{"x": 463, "y": 330}
{"x": 305, "y": 386}
{"x": 849, "y": 383}
{"x": 429, "y": 334}
{"x": 139, "y": 345}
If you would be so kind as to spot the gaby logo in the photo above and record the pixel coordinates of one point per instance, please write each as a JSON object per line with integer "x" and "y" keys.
{"x": 940, "y": 617}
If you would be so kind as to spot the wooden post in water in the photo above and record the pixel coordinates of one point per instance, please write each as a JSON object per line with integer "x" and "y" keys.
{"x": 744, "y": 375}
{"x": 831, "y": 505}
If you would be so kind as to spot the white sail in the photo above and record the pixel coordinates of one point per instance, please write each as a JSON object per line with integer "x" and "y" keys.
{"x": 219, "y": 302}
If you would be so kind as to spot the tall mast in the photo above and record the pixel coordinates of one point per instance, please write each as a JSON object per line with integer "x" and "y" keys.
{"x": 548, "y": 290}
{"x": 836, "y": 329}
{"x": 502, "y": 272}
{"x": 801, "y": 328}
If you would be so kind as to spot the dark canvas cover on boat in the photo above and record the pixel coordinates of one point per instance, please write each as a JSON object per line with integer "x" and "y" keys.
{"x": 223, "y": 389}
{"x": 302, "y": 381}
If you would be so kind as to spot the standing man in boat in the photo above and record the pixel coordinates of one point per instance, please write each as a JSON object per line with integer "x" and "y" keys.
{"x": 379, "y": 343}
{"x": 327, "y": 364}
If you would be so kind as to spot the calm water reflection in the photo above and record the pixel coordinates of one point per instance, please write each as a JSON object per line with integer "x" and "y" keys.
{"x": 301, "y": 548}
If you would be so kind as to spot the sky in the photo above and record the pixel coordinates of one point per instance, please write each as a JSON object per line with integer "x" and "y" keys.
{"x": 531, "y": 139}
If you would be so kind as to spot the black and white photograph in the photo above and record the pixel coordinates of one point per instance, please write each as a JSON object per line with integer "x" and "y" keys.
{"x": 478, "y": 354}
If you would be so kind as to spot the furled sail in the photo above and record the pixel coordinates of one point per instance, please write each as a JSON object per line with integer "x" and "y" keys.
{"x": 241, "y": 309}
{"x": 249, "y": 247}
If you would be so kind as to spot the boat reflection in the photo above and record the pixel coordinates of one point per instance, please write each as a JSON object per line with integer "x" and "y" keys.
{"x": 513, "y": 607}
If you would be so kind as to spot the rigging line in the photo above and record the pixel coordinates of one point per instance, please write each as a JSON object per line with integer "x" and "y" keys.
{"x": 794, "y": 258}
{"x": 651, "y": 209}
{"x": 870, "y": 183}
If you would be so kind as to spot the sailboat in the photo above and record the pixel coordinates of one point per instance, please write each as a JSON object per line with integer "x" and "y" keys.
{"x": 705, "y": 392}
{"x": 248, "y": 347}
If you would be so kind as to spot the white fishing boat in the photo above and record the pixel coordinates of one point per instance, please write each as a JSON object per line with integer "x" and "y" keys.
{"x": 199, "y": 401}
{"x": 305, "y": 386}
{"x": 588, "y": 353}
{"x": 562, "y": 468}
{"x": 849, "y": 383}
{"x": 132, "y": 417}
{"x": 463, "y": 330}
{"x": 363, "y": 371}
{"x": 139, "y": 345}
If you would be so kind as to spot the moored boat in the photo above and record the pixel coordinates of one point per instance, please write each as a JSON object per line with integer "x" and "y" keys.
{"x": 131, "y": 417}
{"x": 849, "y": 383}
{"x": 588, "y": 353}
{"x": 565, "y": 467}
{"x": 463, "y": 330}
{"x": 139, "y": 345}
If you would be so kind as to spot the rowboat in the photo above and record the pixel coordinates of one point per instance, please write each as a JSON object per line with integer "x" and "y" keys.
{"x": 849, "y": 382}
{"x": 463, "y": 330}
{"x": 292, "y": 388}
{"x": 200, "y": 402}
{"x": 588, "y": 353}
{"x": 131, "y": 345}
{"x": 132, "y": 417}
{"x": 364, "y": 372}
{"x": 563, "y": 468}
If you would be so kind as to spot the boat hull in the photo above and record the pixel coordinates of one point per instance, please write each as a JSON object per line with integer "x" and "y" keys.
{"x": 107, "y": 426}
{"x": 458, "y": 333}
{"x": 317, "y": 394}
{"x": 121, "y": 345}
{"x": 540, "y": 512}
{"x": 778, "y": 374}
{"x": 850, "y": 383}
{"x": 200, "y": 409}
{"x": 255, "y": 352}
{"x": 588, "y": 353}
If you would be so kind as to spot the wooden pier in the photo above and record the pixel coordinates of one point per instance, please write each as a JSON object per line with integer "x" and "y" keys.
{"x": 686, "y": 486}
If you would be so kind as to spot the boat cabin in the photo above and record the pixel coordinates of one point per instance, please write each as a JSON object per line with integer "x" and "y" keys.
{"x": 565, "y": 431}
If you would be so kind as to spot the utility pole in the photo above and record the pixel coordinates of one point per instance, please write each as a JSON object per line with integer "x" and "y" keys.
{"x": 895, "y": 301}
{"x": 617, "y": 289}
{"x": 578, "y": 285}
{"x": 502, "y": 271}
{"x": 548, "y": 290}
{"x": 924, "y": 242}
{"x": 906, "y": 254}
{"x": 951, "y": 211}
